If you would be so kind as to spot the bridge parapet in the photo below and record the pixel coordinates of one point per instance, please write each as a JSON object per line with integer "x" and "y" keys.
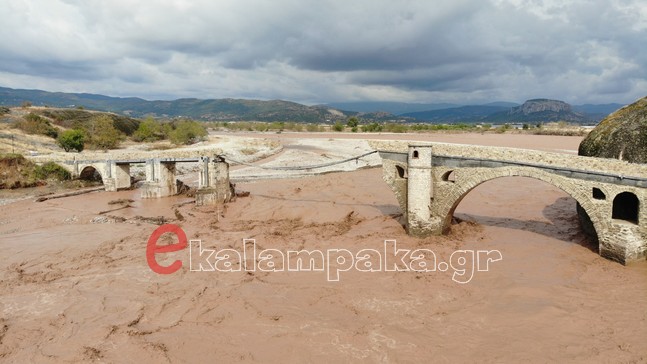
{"x": 611, "y": 192}
{"x": 511, "y": 155}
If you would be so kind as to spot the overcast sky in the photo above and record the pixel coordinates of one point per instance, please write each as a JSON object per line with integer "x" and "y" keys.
{"x": 461, "y": 51}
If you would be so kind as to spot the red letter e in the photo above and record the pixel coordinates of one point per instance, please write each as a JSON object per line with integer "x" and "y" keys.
{"x": 152, "y": 248}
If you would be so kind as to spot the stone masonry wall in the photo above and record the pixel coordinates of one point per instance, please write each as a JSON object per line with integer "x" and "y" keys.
{"x": 619, "y": 240}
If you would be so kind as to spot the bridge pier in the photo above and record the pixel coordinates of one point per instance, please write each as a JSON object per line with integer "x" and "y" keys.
{"x": 160, "y": 179}
{"x": 623, "y": 242}
{"x": 420, "y": 193}
{"x": 213, "y": 185}
{"x": 118, "y": 176}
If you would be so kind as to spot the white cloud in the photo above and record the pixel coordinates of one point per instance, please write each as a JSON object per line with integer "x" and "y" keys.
{"x": 332, "y": 50}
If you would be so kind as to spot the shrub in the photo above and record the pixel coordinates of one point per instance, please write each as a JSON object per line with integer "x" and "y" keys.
{"x": 72, "y": 140}
{"x": 313, "y": 128}
{"x": 51, "y": 170}
{"x": 36, "y": 124}
{"x": 372, "y": 128}
{"x": 338, "y": 126}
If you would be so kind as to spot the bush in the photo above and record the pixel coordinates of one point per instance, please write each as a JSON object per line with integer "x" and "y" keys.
{"x": 81, "y": 119}
{"x": 313, "y": 128}
{"x": 36, "y": 124}
{"x": 187, "y": 132}
{"x": 338, "y": 126}
{"x": 51, "y": 170}
{"x": 372, "y": 128}
{"x": 72, "y": 140}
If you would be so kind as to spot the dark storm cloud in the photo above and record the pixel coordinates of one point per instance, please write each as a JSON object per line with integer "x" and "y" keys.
{"x": 459, "y": 51}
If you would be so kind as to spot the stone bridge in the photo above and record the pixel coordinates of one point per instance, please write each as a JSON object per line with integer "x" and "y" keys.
{"x": 213, "y": 182}
{"x": 430, "y": 180}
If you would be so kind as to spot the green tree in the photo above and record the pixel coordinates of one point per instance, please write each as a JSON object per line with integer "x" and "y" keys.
{"x": 149, "y": 130}
{"x": 352, "y": 122}
{"x": 103, "y": 134}
{"x": 73, "y": 139}
{"x": 187, "y": 132}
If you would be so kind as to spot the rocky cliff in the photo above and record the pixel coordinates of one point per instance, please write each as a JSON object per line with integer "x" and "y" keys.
{"x": 540, "y": 110}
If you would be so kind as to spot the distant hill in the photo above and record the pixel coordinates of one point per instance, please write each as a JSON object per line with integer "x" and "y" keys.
{"x": 467, "y": 114}
{"x": 396, "y": 108}
{"x": 597, "y": 112}
{"x": 208, "y": 110}
{"x": 502, "y": 103}
{"x": 278, "y": 110}
{"x": 536, "y": 110}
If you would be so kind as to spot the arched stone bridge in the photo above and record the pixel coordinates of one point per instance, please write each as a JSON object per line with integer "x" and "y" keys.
{"x": 430, "y": 180}
{"x": 213, "y": 182}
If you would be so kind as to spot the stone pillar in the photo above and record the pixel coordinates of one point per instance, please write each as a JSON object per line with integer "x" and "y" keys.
{"x": 623, "y": 242}
{"x": 118, "y": 176}
{"x": 214, "y": 186}
{"x": 75, "y": 169}
{"x": 203, "y": 175}
{"x": 419, "y": 191}
{"x": 160, "y": 179}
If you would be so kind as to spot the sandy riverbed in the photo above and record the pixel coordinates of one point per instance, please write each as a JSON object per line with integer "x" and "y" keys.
{"x": 75, "y": 284}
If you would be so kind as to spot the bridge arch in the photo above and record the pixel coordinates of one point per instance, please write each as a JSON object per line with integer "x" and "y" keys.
{"x": 464, "y": 183}
{"x": 90, "y": 173}
{"x": 626, "y": 206}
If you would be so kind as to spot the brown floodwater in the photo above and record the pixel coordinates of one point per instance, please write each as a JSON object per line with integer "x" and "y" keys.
{"x": 75, "y": 284}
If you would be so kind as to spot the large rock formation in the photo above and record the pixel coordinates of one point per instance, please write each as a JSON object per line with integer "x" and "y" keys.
{"x": 621, "y": 135}
{"x": 539, "y": 110}
{"x": 541, "y": 105}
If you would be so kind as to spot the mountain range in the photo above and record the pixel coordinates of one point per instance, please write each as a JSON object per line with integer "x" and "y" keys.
{"x": 536, "y": 110}
{"x": 280, "y": 110}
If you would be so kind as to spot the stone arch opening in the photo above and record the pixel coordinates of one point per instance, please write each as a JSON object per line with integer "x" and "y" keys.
{"x": 626, "y": 207}
{"x": 401, "y": 172}
{"x": 416, "y": 155}
{"x": 90, "y": 173}
{"x": 449, "y": 176}
{"x": 570, "y": 201}
{"x": 598, "y": 194}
